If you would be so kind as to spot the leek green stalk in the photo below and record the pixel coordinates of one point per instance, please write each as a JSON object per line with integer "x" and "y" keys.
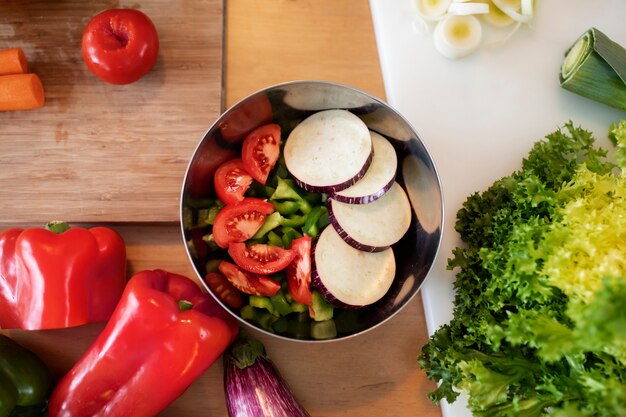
{"x": 595, "y": 68}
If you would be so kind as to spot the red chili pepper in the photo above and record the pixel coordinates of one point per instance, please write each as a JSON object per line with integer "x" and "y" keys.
{"x": 150, "y": 351}
{"x": 61, "y": 278}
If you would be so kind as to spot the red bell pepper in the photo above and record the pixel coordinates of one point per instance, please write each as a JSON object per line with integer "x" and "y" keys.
{"x": 164, "y": 333}
{"x": 62, "y": 278}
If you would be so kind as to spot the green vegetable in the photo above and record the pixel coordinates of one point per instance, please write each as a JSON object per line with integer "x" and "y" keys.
{"x": 25, "y": 381}
{"x": 271, "y": 222}
{"x": 310, "y": 225}
{"x": 281, "y": 306}
{"x": 286, "y": 189}
{"x": 322, "y": 309}
{"x": 595, "y": 67}
{"x": 539, "y": 324}
{"x": 289, "y": 234}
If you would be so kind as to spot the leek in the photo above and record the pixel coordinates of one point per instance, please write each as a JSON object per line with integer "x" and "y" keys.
{"x": 595, "y": 68}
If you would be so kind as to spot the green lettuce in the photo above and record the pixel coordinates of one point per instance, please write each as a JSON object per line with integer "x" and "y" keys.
{"x": 539, "y": 323}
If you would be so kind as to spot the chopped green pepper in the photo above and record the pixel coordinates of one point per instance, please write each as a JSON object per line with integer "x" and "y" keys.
{"x": 274, "y": 240}
{"x": 322, "y": 309}
{"x": 286, "y": 208}
{"x": 281, "y": 306}
{"x": 310, "y": 224}
{"x": 289, "y": 234}
{"x": 271, "y": 222}
{"x": 286, "y": 190}
{"x": 294, "y": 221}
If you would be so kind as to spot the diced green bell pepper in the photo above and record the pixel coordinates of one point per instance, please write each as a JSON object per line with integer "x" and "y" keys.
{"x": 310, "y": 225}
{"x": 281, "y": 306}
{"x": 289, "y": 234}
{"x": 322, "y": 309}
{"x": 286, "y": 190}
{"x": 271, "y": 222}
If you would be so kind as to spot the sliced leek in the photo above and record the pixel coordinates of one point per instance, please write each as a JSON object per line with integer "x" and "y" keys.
{"x": 432, "y": 9}
{"x": 463, "y": 9}
{"x": 497, "y": 17}
{"x": 457, "y": 36}
{"x": 595, "y": 67}
{"x": 513, "y": 12}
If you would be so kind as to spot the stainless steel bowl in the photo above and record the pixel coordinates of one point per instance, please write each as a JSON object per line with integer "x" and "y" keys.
{"x": 288, "y": 104}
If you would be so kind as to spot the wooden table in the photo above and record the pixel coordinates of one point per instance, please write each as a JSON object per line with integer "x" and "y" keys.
{"x": 372, "y": 375}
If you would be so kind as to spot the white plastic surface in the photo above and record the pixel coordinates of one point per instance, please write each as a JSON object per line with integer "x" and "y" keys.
{"x": 480, "y": 115}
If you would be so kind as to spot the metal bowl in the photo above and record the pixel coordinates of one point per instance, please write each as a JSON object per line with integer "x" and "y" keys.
{"x": 290, "y": 103}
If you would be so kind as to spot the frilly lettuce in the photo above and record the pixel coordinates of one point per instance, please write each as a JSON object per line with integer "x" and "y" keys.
{"x": 539, "y": 323}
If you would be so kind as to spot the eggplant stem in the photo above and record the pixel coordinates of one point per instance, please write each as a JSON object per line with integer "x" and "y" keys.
{"x": 245, "y": 351}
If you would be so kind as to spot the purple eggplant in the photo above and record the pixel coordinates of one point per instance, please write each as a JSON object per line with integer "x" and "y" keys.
{"x": 379, "y": 178}
{"x": 348, "y": 277}
{"x": 253, "y": 386}
{"x": 328, "y": 151}
{"x": 375, "y": 226}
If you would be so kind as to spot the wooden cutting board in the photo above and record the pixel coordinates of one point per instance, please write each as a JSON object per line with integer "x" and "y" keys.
{"x": 99, "y": 152}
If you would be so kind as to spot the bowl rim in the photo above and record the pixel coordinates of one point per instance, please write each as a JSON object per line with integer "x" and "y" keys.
{"x": 379, "y": 101}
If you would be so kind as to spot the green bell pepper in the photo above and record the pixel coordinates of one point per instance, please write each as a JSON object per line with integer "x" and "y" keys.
{"x": 25, "y": 381}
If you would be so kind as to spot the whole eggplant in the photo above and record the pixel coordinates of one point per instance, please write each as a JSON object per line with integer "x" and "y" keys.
{"x": 252, "y": 384}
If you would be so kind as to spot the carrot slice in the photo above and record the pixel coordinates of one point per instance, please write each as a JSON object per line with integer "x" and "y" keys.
{"x": 13, "y": 61}
{"x": 21, "y": 92}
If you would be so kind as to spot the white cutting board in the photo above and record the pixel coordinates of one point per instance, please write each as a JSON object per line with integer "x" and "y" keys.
{"x": 480, "y": 115}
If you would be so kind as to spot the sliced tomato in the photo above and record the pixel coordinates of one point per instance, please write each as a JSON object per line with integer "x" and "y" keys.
{"x": 260, "y": 151}
{"x": 239, "y": 222}
{"x": 259, "y": 258}
{"x": 231, "y": 181}
{"x": 224, "y": 290}
{"x": 299, "y": 271}
{"x": 249, "y": 282}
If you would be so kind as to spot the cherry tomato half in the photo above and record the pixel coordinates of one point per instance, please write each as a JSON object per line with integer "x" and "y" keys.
{"x": 224, "y": 290}
{"x": 260, "y": 259}
{"x": 239, "y": 222}
{"x": 120, "y": 45}
{"x": 231, "y": 181}
{"x": 299, "y": 271}
{"x": 260, "y": 151}
{"x": 248, "y": 282}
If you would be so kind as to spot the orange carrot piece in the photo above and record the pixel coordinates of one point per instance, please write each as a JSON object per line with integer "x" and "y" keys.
{"x": 13, "y": 61}
{"x": 21, "y": 92}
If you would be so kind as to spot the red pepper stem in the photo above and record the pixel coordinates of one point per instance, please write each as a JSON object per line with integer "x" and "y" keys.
{"x": 57, "y": 226}
{"x": 184, "y": 305}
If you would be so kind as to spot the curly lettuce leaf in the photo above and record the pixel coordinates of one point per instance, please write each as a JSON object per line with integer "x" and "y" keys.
{"x": 538, "y": 326}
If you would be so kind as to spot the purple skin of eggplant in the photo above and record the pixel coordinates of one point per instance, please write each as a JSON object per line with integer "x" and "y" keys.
{"x": 253, "y": 386}
{"x": 346, "y": 237}
{"x": 336, "y": 187}
{"x": 317, "y": 282}
{"x": 366, "y": 198}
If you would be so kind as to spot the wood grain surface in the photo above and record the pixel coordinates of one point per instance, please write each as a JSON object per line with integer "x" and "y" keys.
{"x": 372, "y": 375}
{"x": 101, "y": 152}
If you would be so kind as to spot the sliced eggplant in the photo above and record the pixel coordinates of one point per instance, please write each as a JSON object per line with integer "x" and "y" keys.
{"x": 348, "y": 277}
{"x": 329, "y": 151}
{"x": 379, "y": 178}
{"x": 374, "y": 226}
